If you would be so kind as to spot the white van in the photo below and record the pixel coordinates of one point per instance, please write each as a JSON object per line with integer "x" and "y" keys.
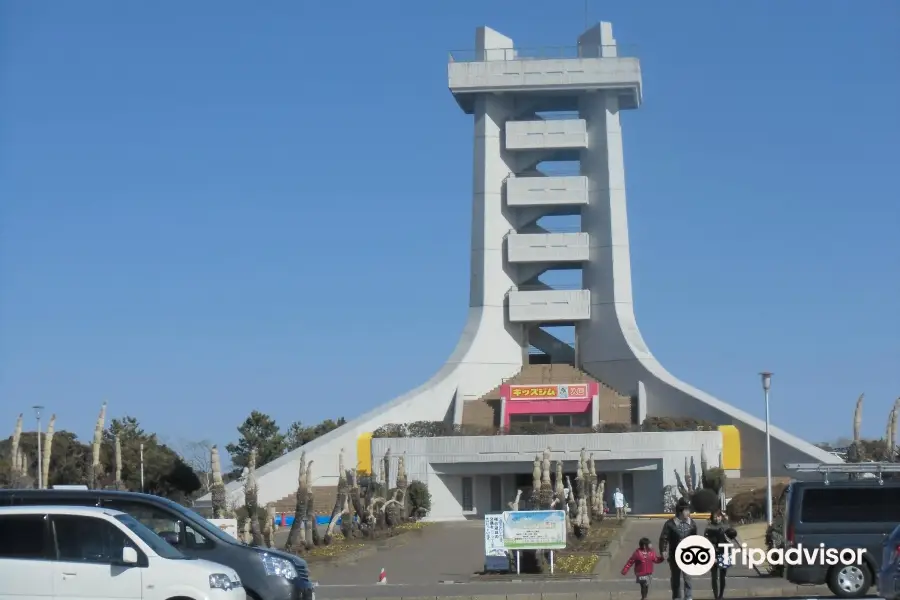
{"x": 63, "y": 552}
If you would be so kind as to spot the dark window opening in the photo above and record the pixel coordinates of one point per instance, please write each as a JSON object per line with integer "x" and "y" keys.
{"x": 23, "y": 536}
{"x": 468, "y": 494}
{"x": 87, "y": 539}
{"x": 163, "y": 523}
{"x": 496, "y": 494}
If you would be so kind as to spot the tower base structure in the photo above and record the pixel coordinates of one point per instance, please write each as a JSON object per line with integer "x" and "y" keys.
{"x": 528, "y": 111}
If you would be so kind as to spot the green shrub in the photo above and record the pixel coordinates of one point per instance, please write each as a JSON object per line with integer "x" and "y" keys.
{"x": 615, "y": 428}
{"x": 704, "y": 500}
{"x": 714, "y": 479}
{"x": 421, "y": 429}
{"x": 775, "y": 539}
{"x": 677, "y": 424}
{"x": 419, "y": 498}
{"x": 751, "y": 506}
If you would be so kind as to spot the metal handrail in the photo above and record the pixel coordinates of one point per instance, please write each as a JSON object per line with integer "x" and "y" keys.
{"x": 567, "y": 115}
{"x": 570, "y": 229}
{"x": 557, "y": 287}
{"x": 542, "y": 53}
{"x": 876, "y": 468}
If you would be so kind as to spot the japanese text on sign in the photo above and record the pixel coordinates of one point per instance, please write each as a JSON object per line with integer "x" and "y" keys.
{"x": 534, "y": 530}
{"x": 493, "y": 536}
{"x": 549, "y": 392}
{"x": 538, "y": 391}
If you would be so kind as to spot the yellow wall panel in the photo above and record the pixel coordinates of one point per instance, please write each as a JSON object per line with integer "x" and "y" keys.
{"x": 364, "y": 453}
{"x": 731, "y": 447}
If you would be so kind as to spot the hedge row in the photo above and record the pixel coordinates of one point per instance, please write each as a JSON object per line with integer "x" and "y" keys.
{"x": 751, "y": 506}
{"x": 419, "y": 429}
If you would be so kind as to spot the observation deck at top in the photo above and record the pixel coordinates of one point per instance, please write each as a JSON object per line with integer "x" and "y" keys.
{"x": 557, "y": 74}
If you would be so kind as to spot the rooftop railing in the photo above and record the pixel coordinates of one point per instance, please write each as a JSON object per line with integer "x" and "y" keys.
{"x": 425, "y": 429}
{"x": 546, "y": 287}
{"x": 548, "y": 229}
{"x": 541, "y": 53}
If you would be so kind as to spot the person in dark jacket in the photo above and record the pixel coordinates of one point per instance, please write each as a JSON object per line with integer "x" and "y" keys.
{"x": 674, "y": 530}
{"x": 718, "y": 533}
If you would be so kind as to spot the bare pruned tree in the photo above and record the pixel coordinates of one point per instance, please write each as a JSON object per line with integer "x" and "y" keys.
{"x": 198, "y": 455}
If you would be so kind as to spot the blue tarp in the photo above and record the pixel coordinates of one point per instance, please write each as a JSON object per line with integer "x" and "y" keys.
{"x": 289, "y": 520}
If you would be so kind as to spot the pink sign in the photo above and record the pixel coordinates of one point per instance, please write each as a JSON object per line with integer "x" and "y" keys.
{"x": 548, "y": 399}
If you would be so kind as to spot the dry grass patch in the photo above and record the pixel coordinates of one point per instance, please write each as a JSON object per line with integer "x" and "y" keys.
{"x": 754, "y": 534}
{"x": 342, "y": 547}
{"x": 575, "y": 564}
{"x": 582, "y": 556}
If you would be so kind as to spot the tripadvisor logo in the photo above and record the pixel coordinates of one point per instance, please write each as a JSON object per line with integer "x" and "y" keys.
{"x": 696, "y": 555}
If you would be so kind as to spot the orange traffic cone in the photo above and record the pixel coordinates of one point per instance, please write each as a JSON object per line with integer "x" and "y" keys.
{"x": 382, "y": 577}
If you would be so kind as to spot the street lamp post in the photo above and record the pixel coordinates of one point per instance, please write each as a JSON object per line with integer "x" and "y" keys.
{"x": 767, "y": 384}
{"x": 40, "y": 460}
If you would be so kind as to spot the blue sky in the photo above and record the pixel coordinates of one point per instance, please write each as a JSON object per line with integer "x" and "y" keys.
{"x": 213, "y": 207}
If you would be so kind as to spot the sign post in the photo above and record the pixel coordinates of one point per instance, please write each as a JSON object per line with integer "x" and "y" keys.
{"x": 495, "y": 557}
{"x": 229, "y": 526}
{"x": 534, "y": 530}
{"x": 514, "y": 531}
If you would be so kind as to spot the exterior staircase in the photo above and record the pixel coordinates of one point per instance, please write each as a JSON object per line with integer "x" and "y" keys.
{"x": 614, "y": 407}
{"x": 481, "y": 413}
{"x": 323, "y": 501}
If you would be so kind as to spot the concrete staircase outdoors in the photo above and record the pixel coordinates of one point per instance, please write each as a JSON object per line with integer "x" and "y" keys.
{"x": 614, "y": 407}
{"x": 481, "y": 413}
{"x": 323, "y": 501}
{"x": 485, "y": 412}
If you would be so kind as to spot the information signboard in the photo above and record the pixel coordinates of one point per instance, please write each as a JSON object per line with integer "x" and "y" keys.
{"x": 495, "y": 557}
{"x": 534, "y": 530}
{"x": 229, "y": 526}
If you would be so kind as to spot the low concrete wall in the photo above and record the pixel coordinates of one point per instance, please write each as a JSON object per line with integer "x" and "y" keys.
{"x": 443, "y": 462}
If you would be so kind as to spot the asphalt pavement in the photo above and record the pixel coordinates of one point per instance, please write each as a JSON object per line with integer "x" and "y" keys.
{"x": 740, "y": 588}
{"x": 444, "y": 558}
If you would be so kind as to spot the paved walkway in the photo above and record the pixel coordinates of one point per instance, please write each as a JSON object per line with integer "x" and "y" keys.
{"x": 651, "y": 528}
{"x": 455, "y": 552}
{"x": 439, "y": 552}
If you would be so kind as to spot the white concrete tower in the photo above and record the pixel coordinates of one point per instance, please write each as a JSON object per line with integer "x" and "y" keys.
{"x": 533, "y": 104}
{"x": 568, "y": 109}
{"x": 529, "y": 111}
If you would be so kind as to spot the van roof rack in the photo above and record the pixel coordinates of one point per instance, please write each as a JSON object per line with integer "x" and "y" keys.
{"x": 875, "y": 468}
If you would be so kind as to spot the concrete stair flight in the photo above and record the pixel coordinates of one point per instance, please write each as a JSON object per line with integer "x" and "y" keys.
{"x": 323, "y": 501}
{"x": 484, "y": 412}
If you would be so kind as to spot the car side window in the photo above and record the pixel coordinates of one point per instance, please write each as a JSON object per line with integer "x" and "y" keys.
{"x": 23, "y": 537}
{"x": 163, "y": 523}
{"x": 851, "y": 505}
{"x": 88, "y": 539}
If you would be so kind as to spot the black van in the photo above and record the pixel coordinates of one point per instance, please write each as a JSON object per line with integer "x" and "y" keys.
{"x": 850, "y": 514}
{"x": 266, "y": 574}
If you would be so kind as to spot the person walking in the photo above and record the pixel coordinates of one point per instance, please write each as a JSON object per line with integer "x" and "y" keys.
{"x": 643, "y": 560}
{"x": 673, "y": 531}
{"x": 619, "y": 503}
{"x": 719, "y": 534}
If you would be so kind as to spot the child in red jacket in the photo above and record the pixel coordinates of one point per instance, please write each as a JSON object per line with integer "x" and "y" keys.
{"x": 643, "y": 560}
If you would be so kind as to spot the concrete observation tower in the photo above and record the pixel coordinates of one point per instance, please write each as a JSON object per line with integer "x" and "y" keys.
{"x": 529, "y": 112}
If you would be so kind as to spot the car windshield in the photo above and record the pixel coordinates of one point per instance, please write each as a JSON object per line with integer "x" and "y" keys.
{"x": 195, "y": 520}
{"x": 156, "y": 543}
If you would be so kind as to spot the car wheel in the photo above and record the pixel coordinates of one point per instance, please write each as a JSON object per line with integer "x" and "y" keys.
{"x": 850, "y": 581}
